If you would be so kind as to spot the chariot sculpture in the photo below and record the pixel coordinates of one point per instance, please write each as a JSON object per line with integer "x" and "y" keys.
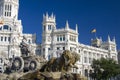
{"x": 27, "y": 61}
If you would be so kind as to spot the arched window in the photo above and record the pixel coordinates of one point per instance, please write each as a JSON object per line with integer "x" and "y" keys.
{"x": 5, "y": 27}
{"x": 29, "y": 41}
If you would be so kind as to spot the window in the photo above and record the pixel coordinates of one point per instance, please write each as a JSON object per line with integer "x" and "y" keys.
{"x": 10, "y": 29}
{"x": 1, "y": 38}
{"x": 1, "y": 28}
{"x": 58, "y": 48}
{"x": 48, "y": 49}
{"x": 63, "y": 37}
{"x": 80, "y": 59}
{"x": 85, "y": 53}
{"x": 90, "y": 54}
{"x": 63, "y": 48}
{"x": 49, "y": 27}
{"x": 72, "y": 38}
{"x": 60, "y": 38}
{"x": 43, "y": 50}
{"x": 5, "y": 27}
{"x": 5, "y": 7}
{"x": 85, "y": 59}
{"x": 90, "y": 60}
{"x": 5, "y": 13}
{"x": 57, "y": 38}
{"x": 8, "y": 9}
{"x": 113, "y": 48}
{"x": 44, "y": 28}
{"x": 71, "y": 48}
{"x": 5, "y": 38}
{"x": 79, "y": 51}
{"x": 9, "y": 39}
{"x": 9, "y": 13}
{"x": 29, "y": 41}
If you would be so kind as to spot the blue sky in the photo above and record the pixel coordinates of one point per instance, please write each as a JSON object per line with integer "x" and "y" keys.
{"x": 104, "y": 15}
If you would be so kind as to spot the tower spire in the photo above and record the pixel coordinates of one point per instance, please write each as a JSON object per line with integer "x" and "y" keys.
{"x": 114, "y": 40}
{"x": 43, "y": 16}
{"x": 76, "y": 28}
{"x": 46, "y": 15}
{"x": 67, "y": 25}
{"x": 101, "y": 39}
{"x": 52, "y": 15}
{"x": 109, "y": 38}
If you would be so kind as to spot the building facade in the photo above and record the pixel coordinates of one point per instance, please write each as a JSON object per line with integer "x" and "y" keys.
{"x": 11, "y": 30}
{"x": 55, "y": 41}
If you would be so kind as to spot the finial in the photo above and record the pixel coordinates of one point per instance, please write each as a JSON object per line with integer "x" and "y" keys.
{"x": 52, "y": 15}
{"x": 43, "y": 16}
{"x": 114, "y": 40}
{"x": 46, "y": 14}
{"x": 101, "y": 39}
{"x": 67, "y": 25}
{"x": 109, "y": 38}
{"x": 76, "y": 28}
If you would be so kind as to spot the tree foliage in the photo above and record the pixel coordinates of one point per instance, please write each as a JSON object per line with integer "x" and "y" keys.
{"x": 104, "y": 69}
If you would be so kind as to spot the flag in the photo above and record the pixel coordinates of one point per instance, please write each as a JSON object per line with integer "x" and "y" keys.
{"x": 93, "y": 31}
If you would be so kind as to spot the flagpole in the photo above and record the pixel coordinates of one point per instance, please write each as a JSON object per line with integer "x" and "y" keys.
{"x": 94, "y": 31}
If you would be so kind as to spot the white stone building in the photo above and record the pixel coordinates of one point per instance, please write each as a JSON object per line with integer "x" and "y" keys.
{"x": 11, "y": 30}
{"x": 54, "y": 41}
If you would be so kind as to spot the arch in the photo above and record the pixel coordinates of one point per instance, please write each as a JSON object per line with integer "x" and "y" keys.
{"x": 6, "y": 27}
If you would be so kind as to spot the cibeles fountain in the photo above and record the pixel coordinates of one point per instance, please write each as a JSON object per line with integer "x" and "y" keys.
{"x": 32, "y": 67}
{"x": 57, "y": 69}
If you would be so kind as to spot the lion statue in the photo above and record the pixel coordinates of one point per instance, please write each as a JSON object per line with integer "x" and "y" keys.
{"x": 74, "y": 58}
{"x": 66, "y": 61}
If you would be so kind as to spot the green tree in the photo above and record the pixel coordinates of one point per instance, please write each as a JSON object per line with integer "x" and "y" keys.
{"x": 104, "y": 69}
